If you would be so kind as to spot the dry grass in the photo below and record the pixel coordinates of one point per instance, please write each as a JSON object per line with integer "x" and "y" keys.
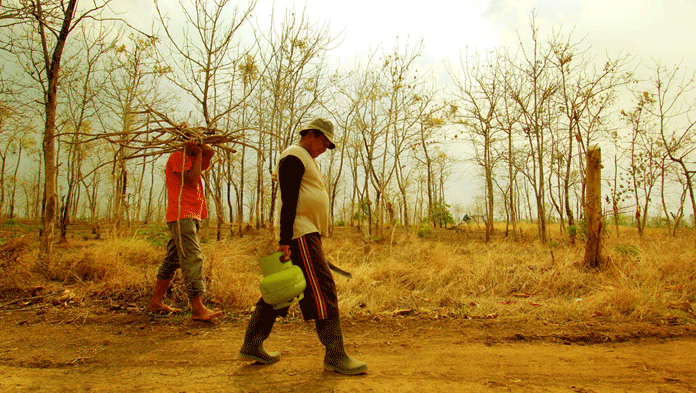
{"x": 450, "y": 273}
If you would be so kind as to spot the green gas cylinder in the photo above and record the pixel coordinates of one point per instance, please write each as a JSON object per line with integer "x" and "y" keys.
{"x": 283, "y": 283}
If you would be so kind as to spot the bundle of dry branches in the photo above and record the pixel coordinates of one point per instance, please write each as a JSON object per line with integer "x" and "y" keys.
{"x": 161, "y": 135}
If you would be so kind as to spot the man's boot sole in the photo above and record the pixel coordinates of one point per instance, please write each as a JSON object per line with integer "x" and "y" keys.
{"x": 357, "y": 371}
{"x": 260, "y": 360}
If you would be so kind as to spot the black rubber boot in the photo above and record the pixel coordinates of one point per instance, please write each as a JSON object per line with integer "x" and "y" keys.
{"x": 258, "y": 330}
{"x": 336, "y": 358}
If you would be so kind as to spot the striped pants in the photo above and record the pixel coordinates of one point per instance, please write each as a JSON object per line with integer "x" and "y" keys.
{"x": 320, "y": 300}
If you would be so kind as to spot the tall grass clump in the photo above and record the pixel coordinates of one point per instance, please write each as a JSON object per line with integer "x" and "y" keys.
{"x": 118, "y": 269}
{"x": 114, "y": 269}
{"x": 232, "y": 270}
{"x": 658, "y": 273}
{"x": 15, "y": 257}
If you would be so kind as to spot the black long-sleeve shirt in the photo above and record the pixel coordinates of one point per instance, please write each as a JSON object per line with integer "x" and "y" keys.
{"x": 290, "y": 172}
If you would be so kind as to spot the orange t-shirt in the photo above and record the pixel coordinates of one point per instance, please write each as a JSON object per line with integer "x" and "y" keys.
{"x": 192, "y": 198}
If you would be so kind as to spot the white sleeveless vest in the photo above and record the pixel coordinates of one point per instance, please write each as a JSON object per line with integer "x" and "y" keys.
{"x": 312, "y": 214}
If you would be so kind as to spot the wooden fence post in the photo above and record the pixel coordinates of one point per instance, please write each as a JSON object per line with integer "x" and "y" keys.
{"x": 593, "y": 208}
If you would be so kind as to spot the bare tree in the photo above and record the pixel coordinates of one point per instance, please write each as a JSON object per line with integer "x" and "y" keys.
{"x": 357, "y": 91}
{"x": 49, "y": 24}
{"x": 248, "y": 69}
{"x": 389, "y": 95}
{"x": 204, "y": 66}
{"x": 131, "y": 88}
{"x": 412, "y": 106}
{"x": 7, "y": 117}
{"x": 675, "y": 114}
{"x": 533, "y": 92}
{"x": 371, "y": 126}
{"x": 619, "y": 185}
{"x": 342, "y": 111}
{"x": 644, "y": 155}
{"x": 424, "y": 151}
{"x": 84, "y": 78}
{"x": 585, "y": 96}
{"x": 482, "y": 92}
{"x": 509, "y": 119}
{"x": 295, "y": 85}
{"x": 670, "y": 176}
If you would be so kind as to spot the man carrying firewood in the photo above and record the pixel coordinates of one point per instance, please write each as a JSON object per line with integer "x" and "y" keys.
{"x": 185, "y": 209}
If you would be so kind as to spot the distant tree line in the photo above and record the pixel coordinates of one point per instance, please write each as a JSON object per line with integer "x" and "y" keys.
{"x": 82, "y": 96}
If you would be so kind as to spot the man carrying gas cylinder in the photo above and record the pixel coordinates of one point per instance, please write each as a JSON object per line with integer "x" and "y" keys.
{"x": 303, "y": 218}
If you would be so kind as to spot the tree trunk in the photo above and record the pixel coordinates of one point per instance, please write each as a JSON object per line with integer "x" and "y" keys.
{"x": 593, "y": 209}
{"x": 49, "y": 147}
{"x": 14, "y": 184}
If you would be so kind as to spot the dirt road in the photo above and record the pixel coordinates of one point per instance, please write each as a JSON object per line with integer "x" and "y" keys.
{"x": 79, "y": 350}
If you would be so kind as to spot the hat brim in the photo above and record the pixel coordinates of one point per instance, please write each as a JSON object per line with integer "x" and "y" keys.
{"x": 331, "y": 146}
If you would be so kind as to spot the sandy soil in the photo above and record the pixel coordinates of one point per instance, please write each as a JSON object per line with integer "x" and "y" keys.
{"x": 79, "y": 350}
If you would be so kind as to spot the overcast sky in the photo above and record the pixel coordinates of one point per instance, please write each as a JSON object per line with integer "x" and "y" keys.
{"x": 649, "y": 29}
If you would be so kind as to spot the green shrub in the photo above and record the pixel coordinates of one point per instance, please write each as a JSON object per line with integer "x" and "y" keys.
{"x": 424, "y": 231}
